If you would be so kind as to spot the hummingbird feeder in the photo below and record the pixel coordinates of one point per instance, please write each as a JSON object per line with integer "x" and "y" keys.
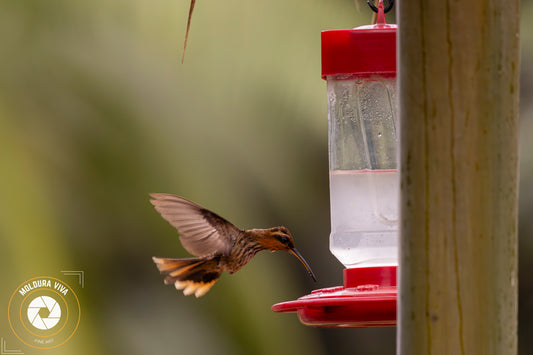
{"x": 359, "y": 66}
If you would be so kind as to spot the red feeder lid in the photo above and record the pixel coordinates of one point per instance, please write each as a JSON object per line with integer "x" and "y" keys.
{"x": 367, "y": 299}
{"x": 363, "y": 50}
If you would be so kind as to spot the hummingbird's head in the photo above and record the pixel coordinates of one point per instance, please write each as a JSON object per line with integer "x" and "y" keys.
{"x": 279, "y": 238}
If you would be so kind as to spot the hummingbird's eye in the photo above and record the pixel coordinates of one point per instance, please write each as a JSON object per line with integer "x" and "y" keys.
{"x": 284, "y": 240}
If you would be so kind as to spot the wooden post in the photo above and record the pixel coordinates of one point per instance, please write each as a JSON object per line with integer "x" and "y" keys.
{"x": 458, "y": 88}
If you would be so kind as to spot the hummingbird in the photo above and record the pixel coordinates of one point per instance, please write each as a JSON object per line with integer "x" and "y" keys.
{"x": 217, "y": 244}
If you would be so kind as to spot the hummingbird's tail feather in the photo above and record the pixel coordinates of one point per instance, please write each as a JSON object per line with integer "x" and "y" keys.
{"x": 192, "y": 275}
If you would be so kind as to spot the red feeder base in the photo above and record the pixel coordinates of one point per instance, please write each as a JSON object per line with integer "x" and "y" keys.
{"x": 367, "y": 299}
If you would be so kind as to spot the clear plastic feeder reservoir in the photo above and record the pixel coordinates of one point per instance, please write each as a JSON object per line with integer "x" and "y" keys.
{"x": 359, "y": 66}
{"x": 363, "y": 169}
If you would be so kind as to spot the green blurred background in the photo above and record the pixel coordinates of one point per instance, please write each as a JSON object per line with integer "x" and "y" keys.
{"x": 96, "y": 111}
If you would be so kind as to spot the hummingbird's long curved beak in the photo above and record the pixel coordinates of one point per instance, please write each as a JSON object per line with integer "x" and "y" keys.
{"x": 297, "y": 254}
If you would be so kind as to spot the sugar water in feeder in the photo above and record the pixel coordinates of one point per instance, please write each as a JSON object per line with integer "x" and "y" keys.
{"x": 363, "y": 175}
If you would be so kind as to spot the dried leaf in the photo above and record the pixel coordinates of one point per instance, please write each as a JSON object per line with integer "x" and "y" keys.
{"x": 191, "y": 9}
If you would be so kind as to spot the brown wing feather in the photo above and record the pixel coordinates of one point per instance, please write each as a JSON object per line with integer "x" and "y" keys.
{"x": 202, "y": 232}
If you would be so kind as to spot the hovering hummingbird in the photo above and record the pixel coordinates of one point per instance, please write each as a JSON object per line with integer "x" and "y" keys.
{"x": 218, "y": 244}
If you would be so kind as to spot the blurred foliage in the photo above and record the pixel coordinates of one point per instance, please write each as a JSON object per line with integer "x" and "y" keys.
{"x": 96, "y": 112}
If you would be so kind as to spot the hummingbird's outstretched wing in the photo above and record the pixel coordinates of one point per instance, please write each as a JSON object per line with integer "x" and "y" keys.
{"x": 202, "y": 232}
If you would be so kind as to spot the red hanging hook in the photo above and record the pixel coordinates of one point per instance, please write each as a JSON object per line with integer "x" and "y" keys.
{"x": 380, "y": 11}
{"x": 375, "y": 9}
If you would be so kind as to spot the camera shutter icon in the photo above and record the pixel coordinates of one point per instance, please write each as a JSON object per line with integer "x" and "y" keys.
{"x": 44, "y": 312}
